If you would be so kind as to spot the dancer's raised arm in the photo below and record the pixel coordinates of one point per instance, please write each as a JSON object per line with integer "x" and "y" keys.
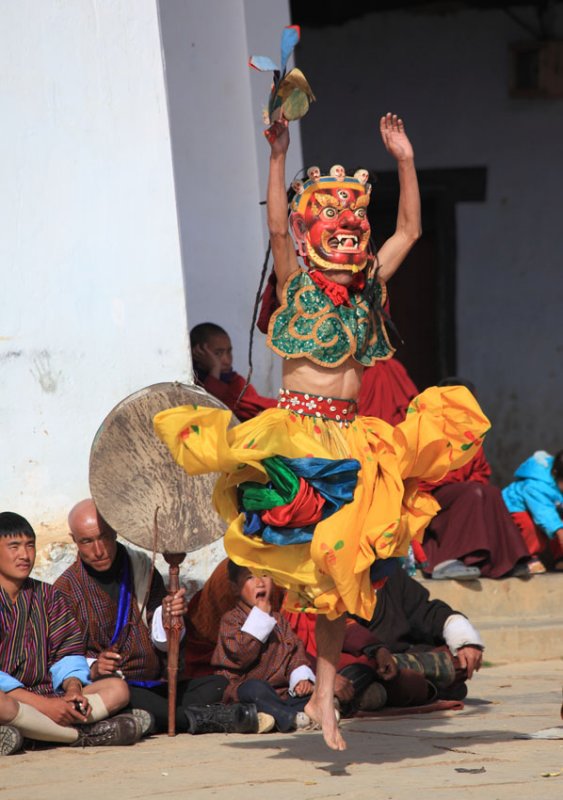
{"x": 283, "y": 248}
{"x": 394, "y": 251}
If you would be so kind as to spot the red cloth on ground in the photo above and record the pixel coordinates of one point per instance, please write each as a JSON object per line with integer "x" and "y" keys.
{"x": 438, "y": 705}
{"x": 386, "y": 391}
{"x": 536, "y": 540}
{"x": 250, "y": 404}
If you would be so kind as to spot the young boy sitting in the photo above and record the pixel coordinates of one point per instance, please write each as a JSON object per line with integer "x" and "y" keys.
{"x": 212, "y": 356}
{"x": 535, "y": 500}
{"x": 263, "y": 660}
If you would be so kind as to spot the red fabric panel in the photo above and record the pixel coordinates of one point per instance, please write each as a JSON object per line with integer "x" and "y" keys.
{"x": 338, "y": 294}
{"x": 536, "y": 540}
{"x": 305, "y": 509}
{"x": 386, "y": 392}
{"x": 270, "y": 303}
{"x": 251, "y": 403}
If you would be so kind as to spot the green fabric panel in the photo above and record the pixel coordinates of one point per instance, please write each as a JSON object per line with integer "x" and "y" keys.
{"x": 327, "y": 332}
{"x": 258, "y": 496}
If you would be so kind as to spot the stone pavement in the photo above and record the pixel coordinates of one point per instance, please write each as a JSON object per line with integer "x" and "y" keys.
{"x": 411, "y": 758}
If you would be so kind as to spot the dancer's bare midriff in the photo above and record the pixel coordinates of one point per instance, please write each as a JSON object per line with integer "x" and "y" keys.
{"x": 302, "y": 375}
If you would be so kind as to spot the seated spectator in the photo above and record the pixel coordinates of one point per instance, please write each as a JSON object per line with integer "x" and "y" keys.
{"x": 205, "y": 611}
{"x": 386, "y": 391}
{"x": 472, "y": 535}
{"x": 260, "y": 656}
{"x": 427, "y": 635}
{"x": 535, "y": 501}
{"x": 106, "y": 589}
{"x": 212, "y": 356}
{"x": 46, "y": 692}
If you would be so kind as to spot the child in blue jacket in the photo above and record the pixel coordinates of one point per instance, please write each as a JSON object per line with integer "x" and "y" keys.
{"x": 535, "y": 500}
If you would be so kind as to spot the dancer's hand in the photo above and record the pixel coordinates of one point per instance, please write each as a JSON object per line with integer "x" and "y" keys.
{"x": 470, "y": 658}
{"x": 386, "y": 666}
{"x": 278, "y": 137}
{"x": 303, "y": 688}
{"x": 394, "y": 137}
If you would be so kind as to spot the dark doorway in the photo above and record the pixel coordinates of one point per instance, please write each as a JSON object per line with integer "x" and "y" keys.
{"x": 423, "y": 291}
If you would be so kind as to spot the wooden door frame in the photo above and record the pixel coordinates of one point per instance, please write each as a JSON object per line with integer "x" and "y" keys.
{"x": 441, "y": 190}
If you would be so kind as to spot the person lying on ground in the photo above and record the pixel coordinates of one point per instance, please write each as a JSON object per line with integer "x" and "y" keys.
{"x": 368, "y": 677}
{"x": 426, "y": 635}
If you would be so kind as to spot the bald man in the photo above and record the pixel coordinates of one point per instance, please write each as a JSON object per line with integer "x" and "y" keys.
{"x": 107, "y": 588}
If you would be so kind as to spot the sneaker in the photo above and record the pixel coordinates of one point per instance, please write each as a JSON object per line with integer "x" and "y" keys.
{"x": 266, "y": 722}
{"x": 303, "y": 722}
{"x": 11, "y": 740}
{"x": 123, "y": 729}
{"x": 535, "y": 566}
{"x": 147, "y": 720}
{"x": 455, "y": 570}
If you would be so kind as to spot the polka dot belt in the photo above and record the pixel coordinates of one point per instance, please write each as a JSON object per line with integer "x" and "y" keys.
{"x": 314, "y": 405}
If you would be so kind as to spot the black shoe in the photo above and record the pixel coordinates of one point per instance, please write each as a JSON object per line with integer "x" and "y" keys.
{"x": 457, "y": 691}
{"x": 219, "y": 718}
{"x": 11, "y": 740}
{"x": 361, "y": 676}
{"x": 121, "y": 730}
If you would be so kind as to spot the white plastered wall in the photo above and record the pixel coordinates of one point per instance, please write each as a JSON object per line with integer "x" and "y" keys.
{"x": 221, "y": 158}
{"x": 92, "y": 298}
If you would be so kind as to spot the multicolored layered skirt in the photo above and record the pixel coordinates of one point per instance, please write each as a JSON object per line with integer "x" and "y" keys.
{"x": 315, "y": 496}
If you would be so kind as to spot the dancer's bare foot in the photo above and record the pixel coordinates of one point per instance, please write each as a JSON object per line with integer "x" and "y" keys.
{"x": 324, "y": 713}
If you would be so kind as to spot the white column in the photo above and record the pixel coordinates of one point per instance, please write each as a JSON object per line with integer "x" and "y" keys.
{"x": 221, "y": 157}
{"x": 92, "y": 303}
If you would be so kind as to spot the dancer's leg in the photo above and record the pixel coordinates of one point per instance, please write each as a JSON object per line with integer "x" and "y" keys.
{"x": 329, "y": 635}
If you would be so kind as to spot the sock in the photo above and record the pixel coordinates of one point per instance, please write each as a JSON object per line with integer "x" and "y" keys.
{"x": 98, "y": 709}
{"x": 35, "y": 725}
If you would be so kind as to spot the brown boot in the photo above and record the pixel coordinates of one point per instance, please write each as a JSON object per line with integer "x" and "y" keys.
{"x": 120, "y": 730}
